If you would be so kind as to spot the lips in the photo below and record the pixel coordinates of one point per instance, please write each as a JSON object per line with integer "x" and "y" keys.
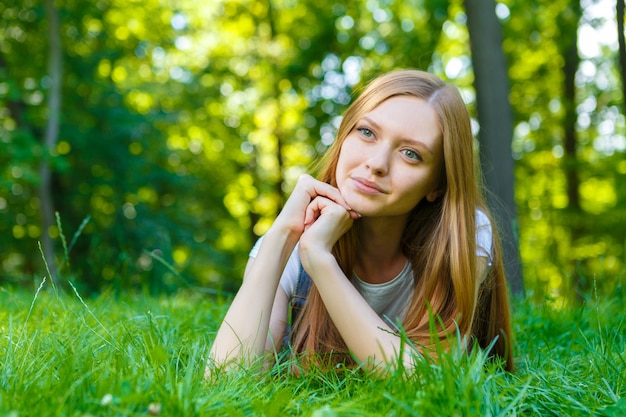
{"x": 367, "y": 187}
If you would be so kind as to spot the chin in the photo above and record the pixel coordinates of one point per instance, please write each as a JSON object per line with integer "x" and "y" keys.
{"x": 351, "y": 199}
{"x": 355, "y": 201}
{"x": 364, "y": 209}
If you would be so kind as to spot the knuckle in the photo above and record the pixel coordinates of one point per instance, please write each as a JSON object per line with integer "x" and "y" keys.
{"x": 304, "y": 178}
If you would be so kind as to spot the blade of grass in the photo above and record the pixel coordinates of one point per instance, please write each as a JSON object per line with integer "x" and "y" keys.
{"x": 43, "y": 257}
{"x": 95, "y": 318}
{"x": 78, "y": 232}
{"x": 32, "y": 305}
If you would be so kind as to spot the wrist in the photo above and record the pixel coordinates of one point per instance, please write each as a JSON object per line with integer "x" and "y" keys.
{"x": 315, "y": 260}
{"x": 279, "y": 242}
{"x": 287, "y": 230}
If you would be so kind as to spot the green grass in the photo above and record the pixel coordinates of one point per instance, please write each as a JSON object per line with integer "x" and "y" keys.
{"x": 61, "y": 355}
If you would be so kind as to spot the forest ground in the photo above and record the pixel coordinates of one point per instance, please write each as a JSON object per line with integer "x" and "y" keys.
{"x": 62, "y": 354}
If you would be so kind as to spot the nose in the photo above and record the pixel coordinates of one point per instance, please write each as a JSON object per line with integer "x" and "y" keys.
{"x": 377, "y": 161}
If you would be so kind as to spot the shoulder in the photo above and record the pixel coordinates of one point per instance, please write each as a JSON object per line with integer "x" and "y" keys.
{"x": 482, "y": 220}
{"x": 255, "y": 249}
{"x": 289, "y": 277}
{"x": 484, "y": 235}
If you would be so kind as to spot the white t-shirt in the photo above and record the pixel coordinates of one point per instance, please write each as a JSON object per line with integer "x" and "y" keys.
{"x": 390, "y": 299}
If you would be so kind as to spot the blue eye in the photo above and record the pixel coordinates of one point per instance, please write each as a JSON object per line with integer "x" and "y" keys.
{"x": 411, "y": 154}
{"x": 366, "y": 132}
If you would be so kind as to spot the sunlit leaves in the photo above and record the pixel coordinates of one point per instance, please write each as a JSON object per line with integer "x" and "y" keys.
{"x": 598, "y": 195}
{"x": 534, "y": 44}
{"x": 184, "y": 125}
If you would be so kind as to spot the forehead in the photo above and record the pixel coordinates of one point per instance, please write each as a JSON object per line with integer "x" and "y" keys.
{"x": 407, "y": 116}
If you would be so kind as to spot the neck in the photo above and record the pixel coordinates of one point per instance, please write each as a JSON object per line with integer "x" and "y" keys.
{"x": 380, "y": 256}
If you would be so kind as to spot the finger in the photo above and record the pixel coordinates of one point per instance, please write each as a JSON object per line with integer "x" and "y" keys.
{"x": 329, "y": 222}
{"x": 310, "y": 215}
{"x": 354, "y": 214}
{"x": 323, "y": 205}
{"x": 318, "y": 188}
{"x": 315, "y": 208}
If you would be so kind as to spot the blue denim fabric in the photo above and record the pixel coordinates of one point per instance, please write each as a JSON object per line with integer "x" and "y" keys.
{"x": 296, "y": 302}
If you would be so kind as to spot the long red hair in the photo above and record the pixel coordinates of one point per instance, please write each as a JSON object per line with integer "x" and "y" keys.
{"x": 439, "y": 239}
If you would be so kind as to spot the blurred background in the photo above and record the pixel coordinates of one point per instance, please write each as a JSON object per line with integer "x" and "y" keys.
{"x": 165, "y": 135}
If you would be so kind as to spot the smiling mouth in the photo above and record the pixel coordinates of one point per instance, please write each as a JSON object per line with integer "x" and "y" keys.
{"x": 367, "y": 187}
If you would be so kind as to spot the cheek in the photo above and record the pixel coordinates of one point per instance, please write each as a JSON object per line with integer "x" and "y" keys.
{"x": 414, "y": 191}
{"x": 351, "y": 153}
{"x": 343, "y": 161}
{"x": 345, "y": 165}
{"x": 413, "y": 199}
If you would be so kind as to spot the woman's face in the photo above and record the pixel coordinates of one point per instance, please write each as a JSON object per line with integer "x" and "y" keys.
{"x": 392, "y": 158}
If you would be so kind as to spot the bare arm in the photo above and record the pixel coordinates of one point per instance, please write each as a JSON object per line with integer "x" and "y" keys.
{"x": 278, "y": 317}
{"x": 370, "y": 339}
{"x": 367, "y": 336}
{"x": 244, "y": 332}
{"x": 256, "y": 318}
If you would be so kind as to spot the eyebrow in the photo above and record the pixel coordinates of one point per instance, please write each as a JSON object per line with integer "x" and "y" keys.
{"x": 414, "y": 142}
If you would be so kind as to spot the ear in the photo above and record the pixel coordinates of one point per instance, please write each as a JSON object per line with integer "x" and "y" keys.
{"x": 434, "y": 195}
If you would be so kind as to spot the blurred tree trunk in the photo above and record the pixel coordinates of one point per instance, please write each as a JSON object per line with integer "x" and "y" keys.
{"x": 52, "y": 132}
{"x": 568, "y": 21}
{"x": 496, "y": 128}
{"x": 275, "y": 92}
{"x": 622, "y": 49}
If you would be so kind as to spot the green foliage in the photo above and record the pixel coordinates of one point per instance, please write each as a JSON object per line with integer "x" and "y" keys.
{"x": 564, "y": 242}
{"x": 183, "y": 128}
{"x": 179, "y": 138}
{"x": 66, "y": 355}
{"x": 112, "y": 163}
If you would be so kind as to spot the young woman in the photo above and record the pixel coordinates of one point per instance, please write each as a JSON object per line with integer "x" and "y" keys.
{"x": 394, "y": 232}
